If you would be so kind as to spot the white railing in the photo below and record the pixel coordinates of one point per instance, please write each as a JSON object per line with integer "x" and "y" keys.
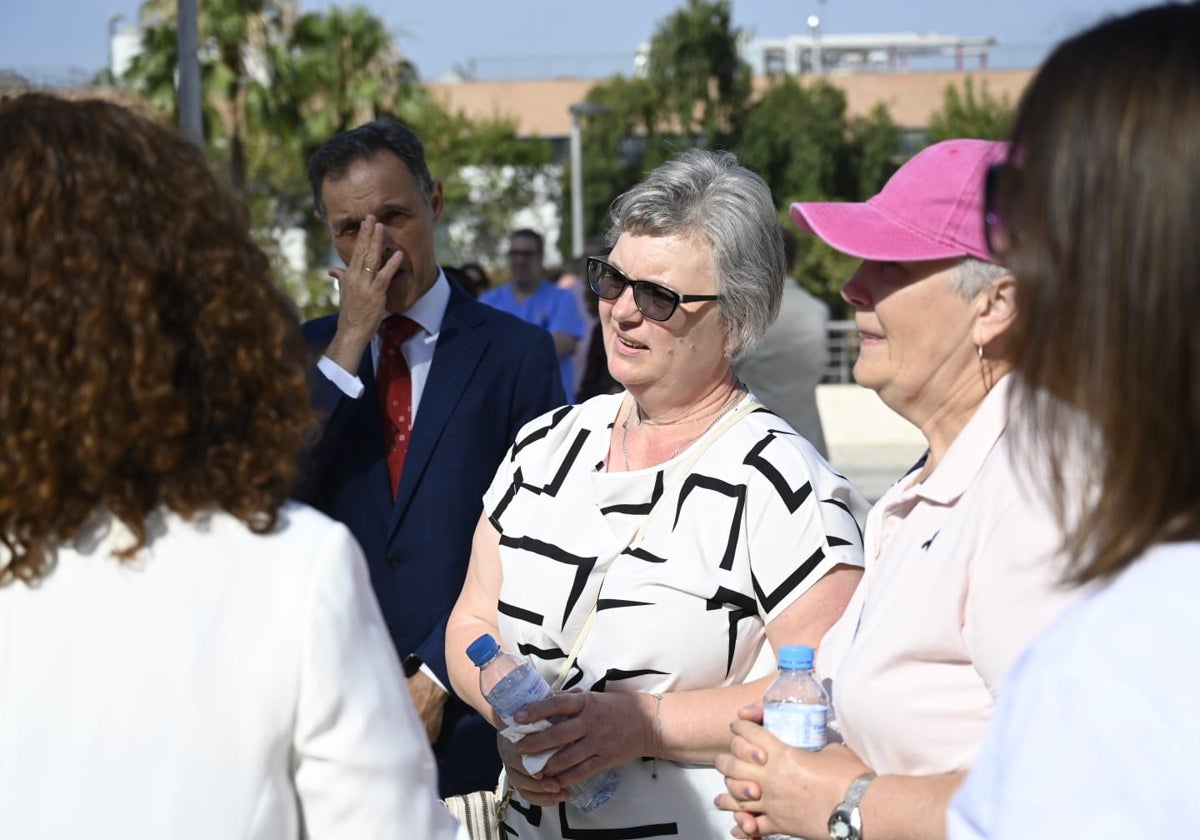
{"x": 843, "y": 352}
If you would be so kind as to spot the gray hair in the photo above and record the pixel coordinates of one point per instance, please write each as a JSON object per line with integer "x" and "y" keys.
{"x": 711, "y": 195}
{"x": 972, "y": 276}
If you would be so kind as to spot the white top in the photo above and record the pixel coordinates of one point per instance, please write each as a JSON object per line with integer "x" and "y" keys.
{"x": 427, "y": 311}
{"x": 962, "y": 572}
{"x": 221, "y": 685}
{"x": 760, "y": 518}
{"x": 1098, "y": 732}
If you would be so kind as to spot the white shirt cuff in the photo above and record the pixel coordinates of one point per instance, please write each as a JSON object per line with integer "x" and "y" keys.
{"x": 347, "y": 383}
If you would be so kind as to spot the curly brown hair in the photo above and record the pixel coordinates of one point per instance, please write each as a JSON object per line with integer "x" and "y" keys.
{"x": 146, "y": 358}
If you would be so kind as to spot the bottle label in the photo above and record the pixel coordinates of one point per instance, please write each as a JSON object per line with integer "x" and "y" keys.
{"x": 796, "y": 724}
{"x": 520, "y": 686}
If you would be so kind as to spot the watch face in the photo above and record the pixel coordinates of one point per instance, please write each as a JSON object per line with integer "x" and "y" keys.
{"x": 840, "y": 827}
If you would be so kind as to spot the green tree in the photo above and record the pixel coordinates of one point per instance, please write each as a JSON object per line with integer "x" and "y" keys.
{"x": 487, "y": 172}
{"x": 235, "y": 40}
{"x": 695, "y": 92}
{"x": 967, "y": 113}
{"x": 340, "y": 69}
{"x": 797, "y": 136}
{"x": 615, "y": 150}
{"x": 696, "y": 71}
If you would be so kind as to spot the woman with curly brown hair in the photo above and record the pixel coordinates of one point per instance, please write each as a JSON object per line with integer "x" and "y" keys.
{"x": 183, "y": 653}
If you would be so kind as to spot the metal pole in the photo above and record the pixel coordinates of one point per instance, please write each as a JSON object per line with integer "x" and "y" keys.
{"x": 113, "y": 20}
{"x": 190, "y": 118}
{"x": 576, "y": 185}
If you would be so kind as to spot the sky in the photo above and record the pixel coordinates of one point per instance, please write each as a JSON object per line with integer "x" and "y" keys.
{"x": 58, "y": 39}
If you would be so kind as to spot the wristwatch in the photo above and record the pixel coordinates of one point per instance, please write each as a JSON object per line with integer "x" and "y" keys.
{"x": 845, "y": 823}
{"x": 412, "y": 663}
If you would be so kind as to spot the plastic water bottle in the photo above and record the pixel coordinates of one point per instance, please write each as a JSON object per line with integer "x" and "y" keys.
{"x": 511, "y": 682}
{"x": 795, "y": 706}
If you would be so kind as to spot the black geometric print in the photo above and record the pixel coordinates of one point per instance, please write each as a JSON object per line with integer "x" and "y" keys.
{"x": 743, "y": 606}
{"x": 635, "y": 832}
{"x": 613, "y": 604}
{"x": 639, "y": 509}
{"x": 732, "y": 491}
{"x": 583, "y": 565}
{"x": 538, "y": 434}
{"x": 528, "y": 616}
{"x": 546, "y": 654}
{"x": 616, "y": 675}
{"x": 510, "y": 493}
{"x": 838, "y": 503}
{"x": 792, "y": 497}
{"x": 642, "y": 554}
{"x": 769, "y": 600}
{"x": 531, "y": 813}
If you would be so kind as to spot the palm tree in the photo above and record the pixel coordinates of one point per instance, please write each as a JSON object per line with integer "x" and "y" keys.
{"x": 236, "y": 37}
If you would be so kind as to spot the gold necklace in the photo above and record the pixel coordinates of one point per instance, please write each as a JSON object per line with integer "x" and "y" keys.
{"x": 725, "y": 408}
{"x": 738, "y": 387}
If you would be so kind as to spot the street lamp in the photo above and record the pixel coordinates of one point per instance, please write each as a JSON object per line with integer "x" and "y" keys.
{"x": 814, "y": 26}
{"x": 113, "y": 20}
{"x": 578, "y": 110}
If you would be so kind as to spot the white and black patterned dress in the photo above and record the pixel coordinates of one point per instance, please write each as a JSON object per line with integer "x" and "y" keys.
{"x": 760, "y": 518}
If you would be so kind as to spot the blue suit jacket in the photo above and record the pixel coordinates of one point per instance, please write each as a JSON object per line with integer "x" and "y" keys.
{"x": 491, "y": 374}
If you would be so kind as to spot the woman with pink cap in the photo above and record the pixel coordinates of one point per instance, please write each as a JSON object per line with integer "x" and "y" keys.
{"x": 961, "y": 556}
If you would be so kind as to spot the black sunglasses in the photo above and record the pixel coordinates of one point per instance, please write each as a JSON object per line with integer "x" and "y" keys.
{"x": 658, "y": 303}
{"x": 997, "y": 230}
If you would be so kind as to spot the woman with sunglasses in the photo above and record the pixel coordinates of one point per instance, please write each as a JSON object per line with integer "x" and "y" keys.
{"x": 1097, "y": 734}
{"x": 696, "y": 529}
{"x": 962, "y": 562}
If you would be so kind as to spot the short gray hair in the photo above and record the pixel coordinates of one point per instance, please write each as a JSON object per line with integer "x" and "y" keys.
{"x": 711, "y": 195}
{"x": 972, "y": 276}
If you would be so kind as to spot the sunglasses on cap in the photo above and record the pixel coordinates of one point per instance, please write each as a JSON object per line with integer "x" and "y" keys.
{"x": 658, "y": 303}
{"x": 998, "y": 231}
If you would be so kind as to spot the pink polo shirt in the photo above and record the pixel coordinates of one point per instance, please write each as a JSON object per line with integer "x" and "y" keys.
{"x": 962, "y": 572}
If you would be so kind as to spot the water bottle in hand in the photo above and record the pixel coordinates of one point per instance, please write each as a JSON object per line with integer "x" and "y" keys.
{"x": 795, "y": 706}
{"x": 511, "y": 682}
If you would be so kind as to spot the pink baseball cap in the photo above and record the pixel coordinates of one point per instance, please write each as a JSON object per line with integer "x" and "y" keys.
{"x": 931, "y": 209}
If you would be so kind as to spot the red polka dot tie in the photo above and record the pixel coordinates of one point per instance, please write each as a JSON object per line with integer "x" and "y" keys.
{"x": 395, "y": 393}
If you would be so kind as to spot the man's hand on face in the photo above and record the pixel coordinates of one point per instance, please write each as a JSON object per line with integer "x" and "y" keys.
{"x": 362, "y": 288}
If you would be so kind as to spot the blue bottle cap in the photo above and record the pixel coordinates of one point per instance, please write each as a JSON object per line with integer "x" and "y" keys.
{"x": 796, "y": 657}
{"x": 484, "y": 648}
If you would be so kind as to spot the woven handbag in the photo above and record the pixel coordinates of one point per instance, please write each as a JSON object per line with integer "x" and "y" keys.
{"x": 480, "y": 811}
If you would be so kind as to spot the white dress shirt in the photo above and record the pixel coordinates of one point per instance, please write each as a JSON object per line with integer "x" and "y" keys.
{"x": 428, "y": 312}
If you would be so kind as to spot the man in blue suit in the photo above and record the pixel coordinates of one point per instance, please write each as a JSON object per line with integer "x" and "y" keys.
{"x": 406, "y": 474}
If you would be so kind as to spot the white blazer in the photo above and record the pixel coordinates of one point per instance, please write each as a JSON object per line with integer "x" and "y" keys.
{"x": 221, "y": 685}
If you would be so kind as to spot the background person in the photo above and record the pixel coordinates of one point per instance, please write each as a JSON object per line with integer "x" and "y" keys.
{"x": 1096, "y": 734}
{"x": 535, "y": 299}
{"x": 786, "y": 367}
{"x": 754, "y": 545}
{"x": 183, "y": 653}
{"x": 962, "y": 560}
{"x": 480, "y": 282}
{"x": 406, "y": 474}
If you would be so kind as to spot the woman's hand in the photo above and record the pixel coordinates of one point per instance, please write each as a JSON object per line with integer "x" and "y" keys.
{"x": 776, "y": 788}
{"x": 593, "y": 731}
{"x": 536, "y": 790}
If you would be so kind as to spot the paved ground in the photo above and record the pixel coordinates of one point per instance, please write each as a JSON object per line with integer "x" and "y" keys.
{"x": 874, "y": 468}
